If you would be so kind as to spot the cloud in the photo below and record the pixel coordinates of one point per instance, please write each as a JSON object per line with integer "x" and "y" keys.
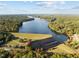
{"x": 50, "y": 3}
{"x": 2, "y": 5}
{"x": 62, "y": 2}
{"x": 13, "y": 11}
{"x": 76, "y": 7}
{"x": 45, "y": 3}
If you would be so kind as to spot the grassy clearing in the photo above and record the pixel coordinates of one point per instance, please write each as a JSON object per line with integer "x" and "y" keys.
{"x": 28, "y": 36}
{"x": 32, "y": 36}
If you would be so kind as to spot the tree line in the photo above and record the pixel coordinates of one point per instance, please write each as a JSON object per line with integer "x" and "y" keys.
{"x": 67, "y": 25}
{"x": 11, "y": 23}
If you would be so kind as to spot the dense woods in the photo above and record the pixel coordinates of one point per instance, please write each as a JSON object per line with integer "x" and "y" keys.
{"x": 67, "y": 25}
{"x": 46, "y": 17}
{"x": 5, "y": 37}
{"x": 11, "y": 23}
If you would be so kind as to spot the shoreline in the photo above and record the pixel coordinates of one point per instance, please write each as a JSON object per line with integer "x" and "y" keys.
{"x": 20, "y": 24}
{"x": 55, "y": 31}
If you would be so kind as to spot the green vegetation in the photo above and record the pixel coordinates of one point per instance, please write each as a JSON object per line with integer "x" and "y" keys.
{"x": 5, "y": 37}
{"x": 48, "y": 18}
{"x": 12, "y": 49}
{"x": 74, "y": 44}
{"x": 29, "y": 53}
{"x": 67, "y": 25}
{"x": 11, "y": 23}
{"x": 18, "y": 45}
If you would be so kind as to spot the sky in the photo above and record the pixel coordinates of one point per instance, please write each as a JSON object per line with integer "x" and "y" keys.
{"x": 39, "y": 7}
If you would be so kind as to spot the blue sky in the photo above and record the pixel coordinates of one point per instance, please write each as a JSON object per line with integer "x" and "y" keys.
{"x": 39, "y": 7}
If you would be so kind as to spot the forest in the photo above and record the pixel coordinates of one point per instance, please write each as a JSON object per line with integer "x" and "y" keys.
{"x": 63, "y": 24}
{"x": 11, "y": 23}
{"x": 67, "y": 25}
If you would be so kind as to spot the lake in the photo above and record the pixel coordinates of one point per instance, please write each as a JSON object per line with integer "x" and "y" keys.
{"x": 40, "y": 26}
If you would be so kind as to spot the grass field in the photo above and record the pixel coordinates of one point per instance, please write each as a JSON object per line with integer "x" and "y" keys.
{"x": 32, "y": 36}
{"x": 28, "y": 36}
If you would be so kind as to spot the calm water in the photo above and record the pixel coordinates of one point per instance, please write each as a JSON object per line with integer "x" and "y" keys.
{"x": 39, "y": 26}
